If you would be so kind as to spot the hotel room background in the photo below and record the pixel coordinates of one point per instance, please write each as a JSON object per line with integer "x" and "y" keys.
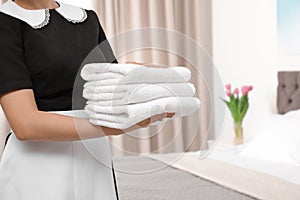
{"x": 192, "y": 18}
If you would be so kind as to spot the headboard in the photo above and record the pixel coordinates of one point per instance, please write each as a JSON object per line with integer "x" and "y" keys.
{"x": 288, "y": 91}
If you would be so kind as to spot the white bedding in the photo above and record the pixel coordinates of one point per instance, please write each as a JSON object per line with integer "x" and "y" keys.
{"x": 256, "y": 178}
{"x": 285, "y": 171}
{"x": 295, "y": 145}
{"x": 276, "y": 140}
{"x": 273, "y": 151}
{"x": 266, "y": 168}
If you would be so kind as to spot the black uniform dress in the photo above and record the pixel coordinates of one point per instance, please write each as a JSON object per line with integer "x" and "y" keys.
{"x": 45, "y": 58}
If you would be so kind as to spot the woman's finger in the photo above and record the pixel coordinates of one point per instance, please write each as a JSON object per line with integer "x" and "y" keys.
{"x": 158, "y": 117}
{"x": 145, "y": 64}
{"x": 135, "y": 63}
{"x": 155, "y": 118}
{"x": 170, "y": 115}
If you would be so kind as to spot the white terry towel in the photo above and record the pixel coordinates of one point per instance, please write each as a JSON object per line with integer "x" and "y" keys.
{"x": 136, "y": 93}
{"x": 113, "y": 74}
{"x": 122, "y": 117}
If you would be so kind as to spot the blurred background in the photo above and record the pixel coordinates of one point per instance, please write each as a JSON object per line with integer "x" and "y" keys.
{"x": 191, "y": 18}
{"x": 240, "y": 37}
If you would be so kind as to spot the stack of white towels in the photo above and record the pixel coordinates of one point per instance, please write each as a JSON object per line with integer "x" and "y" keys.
{"x": 121, "y": 95}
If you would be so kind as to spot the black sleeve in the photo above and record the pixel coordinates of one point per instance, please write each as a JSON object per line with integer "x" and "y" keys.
{"x": 104, "y": 44}
{"x": 14, "y": 74}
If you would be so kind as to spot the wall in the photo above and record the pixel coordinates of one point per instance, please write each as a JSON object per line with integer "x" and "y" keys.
{"x": 245, "y": 52}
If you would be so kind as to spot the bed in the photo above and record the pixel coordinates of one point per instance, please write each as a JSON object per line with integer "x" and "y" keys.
{"x": 227, "y": 173}
{"x": 168, "y": 183}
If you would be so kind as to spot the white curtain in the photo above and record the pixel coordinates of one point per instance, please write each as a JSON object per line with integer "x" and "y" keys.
{"x": 189, "y": 17}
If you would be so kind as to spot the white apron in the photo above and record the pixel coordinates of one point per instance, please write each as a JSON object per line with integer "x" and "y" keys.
{"x": 80, "y": 170}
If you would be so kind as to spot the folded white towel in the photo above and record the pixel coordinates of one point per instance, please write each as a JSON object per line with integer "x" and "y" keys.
{"x": 122, "y": 117}
{"x": 136, "y": 93}
{"x": 113, "y": 74}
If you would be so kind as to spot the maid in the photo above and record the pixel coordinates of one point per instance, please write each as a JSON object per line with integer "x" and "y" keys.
{"x": 42, "y": 46}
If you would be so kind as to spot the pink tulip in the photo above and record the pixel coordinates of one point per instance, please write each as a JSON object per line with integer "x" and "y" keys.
{"x": 236, "y": 91}
{"x": 245, "y": 90}
{"x": 228, "y": 86}
{"x": 228, "y": 93}
{"x": 250, "y": 88}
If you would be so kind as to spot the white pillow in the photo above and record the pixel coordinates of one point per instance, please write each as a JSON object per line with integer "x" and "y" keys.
{"x": 274, "y": 140}
{"x": 293, "y": 114}
{"x": 295, "y": 146}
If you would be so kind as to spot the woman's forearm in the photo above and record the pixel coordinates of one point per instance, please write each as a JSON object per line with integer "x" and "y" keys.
{"x": 44, "y": 126}
{"x": 54, "y": 127}
{"x": 30, "y": 124}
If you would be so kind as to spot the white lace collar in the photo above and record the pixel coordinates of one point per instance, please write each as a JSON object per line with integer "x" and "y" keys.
{"x": 40, "y": 18}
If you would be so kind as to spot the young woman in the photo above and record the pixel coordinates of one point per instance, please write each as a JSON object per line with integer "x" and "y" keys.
{"x": 42, "y": 46}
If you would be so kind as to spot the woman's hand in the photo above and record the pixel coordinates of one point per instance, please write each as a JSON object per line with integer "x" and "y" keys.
{"x": 145, "y": 64}
{"x": 135, "y": 63}
{"x": 142, "y": 124}
{"x": 160, "y": 117}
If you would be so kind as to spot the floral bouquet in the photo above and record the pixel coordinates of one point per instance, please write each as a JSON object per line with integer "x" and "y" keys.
{"x": 238, "y": 106}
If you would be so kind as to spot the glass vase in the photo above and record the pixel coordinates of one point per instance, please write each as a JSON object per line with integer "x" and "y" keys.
{"x": 239, "y": 135}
